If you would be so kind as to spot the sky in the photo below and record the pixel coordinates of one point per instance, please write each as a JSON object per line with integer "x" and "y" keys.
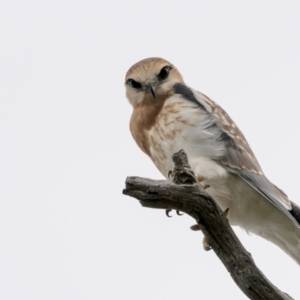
{"x": 66, "y": 230}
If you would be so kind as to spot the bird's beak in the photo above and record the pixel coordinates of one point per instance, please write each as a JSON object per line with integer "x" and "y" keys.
{"x": 152, "y": 89}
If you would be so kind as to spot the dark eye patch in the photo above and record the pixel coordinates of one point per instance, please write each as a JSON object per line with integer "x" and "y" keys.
{"x": 164, "y": 73}
{"x": 133, "y": 83}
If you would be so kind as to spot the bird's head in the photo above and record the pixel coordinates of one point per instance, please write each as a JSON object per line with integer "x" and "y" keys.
{"x": 150, "y": 80}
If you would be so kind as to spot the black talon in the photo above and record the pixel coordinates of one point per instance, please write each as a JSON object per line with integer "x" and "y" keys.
{"x": 167, "y": 212}
{"x": 178, "y": 213}
{"x": 195, "y": 227}
{"x": 207, "y": 248}
{"x": 225, "y": 212}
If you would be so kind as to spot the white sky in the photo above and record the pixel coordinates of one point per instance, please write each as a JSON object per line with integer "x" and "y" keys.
{"x": 66, "y": 230}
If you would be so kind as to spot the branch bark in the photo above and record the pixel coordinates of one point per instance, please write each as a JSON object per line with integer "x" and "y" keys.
{"x": 184, "y": 193}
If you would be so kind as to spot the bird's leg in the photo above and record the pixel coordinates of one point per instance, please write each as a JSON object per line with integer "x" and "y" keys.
{"x": 200, "y": 179}
{"x": 206, "y": 245}
{"x": 170, "y": 177}
{"x": 196, "y": 227}
{"x": 168, "y": 210}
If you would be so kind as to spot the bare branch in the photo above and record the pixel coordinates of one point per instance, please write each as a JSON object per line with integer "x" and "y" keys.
{"x": 185, "y": 194}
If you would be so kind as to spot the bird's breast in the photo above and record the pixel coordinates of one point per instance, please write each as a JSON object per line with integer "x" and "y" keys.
{"x": 177, "y": 124}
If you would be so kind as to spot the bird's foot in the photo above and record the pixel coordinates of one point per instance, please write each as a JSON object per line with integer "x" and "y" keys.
{"x": 171, "y": 175}
{"x": 195, "y": 227}
{"x": 200, "y": 179}
{"x": 168, "y": 210}
{"x": 206, "y": 245}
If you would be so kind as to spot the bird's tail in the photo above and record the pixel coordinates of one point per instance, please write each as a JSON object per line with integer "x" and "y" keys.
{"x": 287, "y": 236}
{"x": 293, "y": 246}
{"x": 295, "y": 212}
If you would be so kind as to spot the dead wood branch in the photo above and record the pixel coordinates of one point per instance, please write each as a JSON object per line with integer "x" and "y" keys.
{"x": 185, "y": 194}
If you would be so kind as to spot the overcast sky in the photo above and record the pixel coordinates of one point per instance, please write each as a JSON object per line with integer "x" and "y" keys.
{"x": 66, "y": 230}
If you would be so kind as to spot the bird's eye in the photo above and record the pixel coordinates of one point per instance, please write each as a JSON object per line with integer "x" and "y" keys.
{"x": 164, "y": 72}
{"x": 133, "y": 83}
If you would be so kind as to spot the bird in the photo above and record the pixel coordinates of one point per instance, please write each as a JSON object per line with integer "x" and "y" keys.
{"x": 168, "y": 115}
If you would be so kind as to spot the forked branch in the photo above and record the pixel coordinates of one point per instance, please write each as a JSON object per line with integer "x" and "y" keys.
{"x": 185, "y": 194}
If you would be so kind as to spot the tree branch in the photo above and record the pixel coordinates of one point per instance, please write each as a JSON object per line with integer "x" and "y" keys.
{"x": 185, "y": 194}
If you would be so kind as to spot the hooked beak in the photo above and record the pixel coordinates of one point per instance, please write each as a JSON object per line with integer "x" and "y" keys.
{"x": 152, "y": 89}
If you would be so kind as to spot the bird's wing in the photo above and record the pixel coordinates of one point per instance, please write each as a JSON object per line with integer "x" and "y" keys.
{"x": 238, "y": 158}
